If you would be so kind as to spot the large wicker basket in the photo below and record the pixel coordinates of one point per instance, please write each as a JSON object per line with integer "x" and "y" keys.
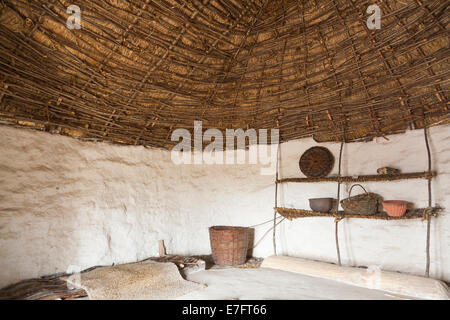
{"x": 229, "y": 245}
{"x": 364, "y": 204}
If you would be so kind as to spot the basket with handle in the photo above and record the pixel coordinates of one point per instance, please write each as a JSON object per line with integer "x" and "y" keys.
{"x": 364, "y": 204}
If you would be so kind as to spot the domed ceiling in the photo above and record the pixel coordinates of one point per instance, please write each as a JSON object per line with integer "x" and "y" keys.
{"x": 137, "y": 70}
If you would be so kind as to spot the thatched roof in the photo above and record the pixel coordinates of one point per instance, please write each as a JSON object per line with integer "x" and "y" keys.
{"x": 138, "y": 69}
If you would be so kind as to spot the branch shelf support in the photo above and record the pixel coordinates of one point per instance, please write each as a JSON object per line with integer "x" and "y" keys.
{"x": 364, "y": 178}
{"x": 427, "y": 214}
{"x": 336, "y": 227}
{"x": 420, "y": 213}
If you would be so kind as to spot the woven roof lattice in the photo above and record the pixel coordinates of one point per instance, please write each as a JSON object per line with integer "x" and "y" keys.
{"x": 138, "y": 70}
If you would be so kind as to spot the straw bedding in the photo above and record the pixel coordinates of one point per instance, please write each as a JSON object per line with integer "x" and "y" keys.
{"x": 149, "y": 281}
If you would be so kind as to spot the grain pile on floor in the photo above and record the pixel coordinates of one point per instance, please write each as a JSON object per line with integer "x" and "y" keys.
{"x": 149, "y": 281}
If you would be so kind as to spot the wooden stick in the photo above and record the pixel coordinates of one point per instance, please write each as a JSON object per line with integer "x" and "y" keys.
{"x": 276, "y": 204}
{"x": 427, "y": 269}
{"x": 292, "y": 213}
{"x": 364, "y": 178}
{"x": 162, "y": 248}
{"x": 337, "y": 205}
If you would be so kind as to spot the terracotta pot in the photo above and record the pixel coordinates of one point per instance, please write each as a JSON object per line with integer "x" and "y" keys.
{"x": 321, "y": 204}
{"x": 395, "y": 208}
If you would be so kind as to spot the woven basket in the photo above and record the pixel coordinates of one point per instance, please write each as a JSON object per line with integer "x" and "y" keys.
{"x": 229, "y": 245}
{"x": 364, "y": 204}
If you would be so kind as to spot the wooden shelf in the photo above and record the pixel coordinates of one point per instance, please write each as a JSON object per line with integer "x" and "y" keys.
{"x": 364, "y": 178}
{"x": 292, "y": 213}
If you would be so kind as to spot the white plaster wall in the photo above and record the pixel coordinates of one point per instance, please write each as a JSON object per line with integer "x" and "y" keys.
{"x": 64, "y": 202}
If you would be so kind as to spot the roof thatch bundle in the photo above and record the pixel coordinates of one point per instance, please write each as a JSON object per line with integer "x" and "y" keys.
{"x": 139, "y": 69}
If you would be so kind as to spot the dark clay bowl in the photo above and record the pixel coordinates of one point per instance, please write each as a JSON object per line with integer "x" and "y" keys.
{"x": 321, "y": 204}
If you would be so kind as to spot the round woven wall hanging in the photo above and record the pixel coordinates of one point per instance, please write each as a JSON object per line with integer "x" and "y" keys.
{"x": 316, "y": 162}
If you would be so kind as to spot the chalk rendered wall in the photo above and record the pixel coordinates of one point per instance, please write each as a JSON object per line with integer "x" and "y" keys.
{"x": 64, "y": 202}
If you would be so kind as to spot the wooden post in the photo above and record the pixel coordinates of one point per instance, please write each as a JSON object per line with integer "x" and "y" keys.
{"x": 162, "y": 248}
{"x": 336, "y": 227}
{"x": 428, "y": 210}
